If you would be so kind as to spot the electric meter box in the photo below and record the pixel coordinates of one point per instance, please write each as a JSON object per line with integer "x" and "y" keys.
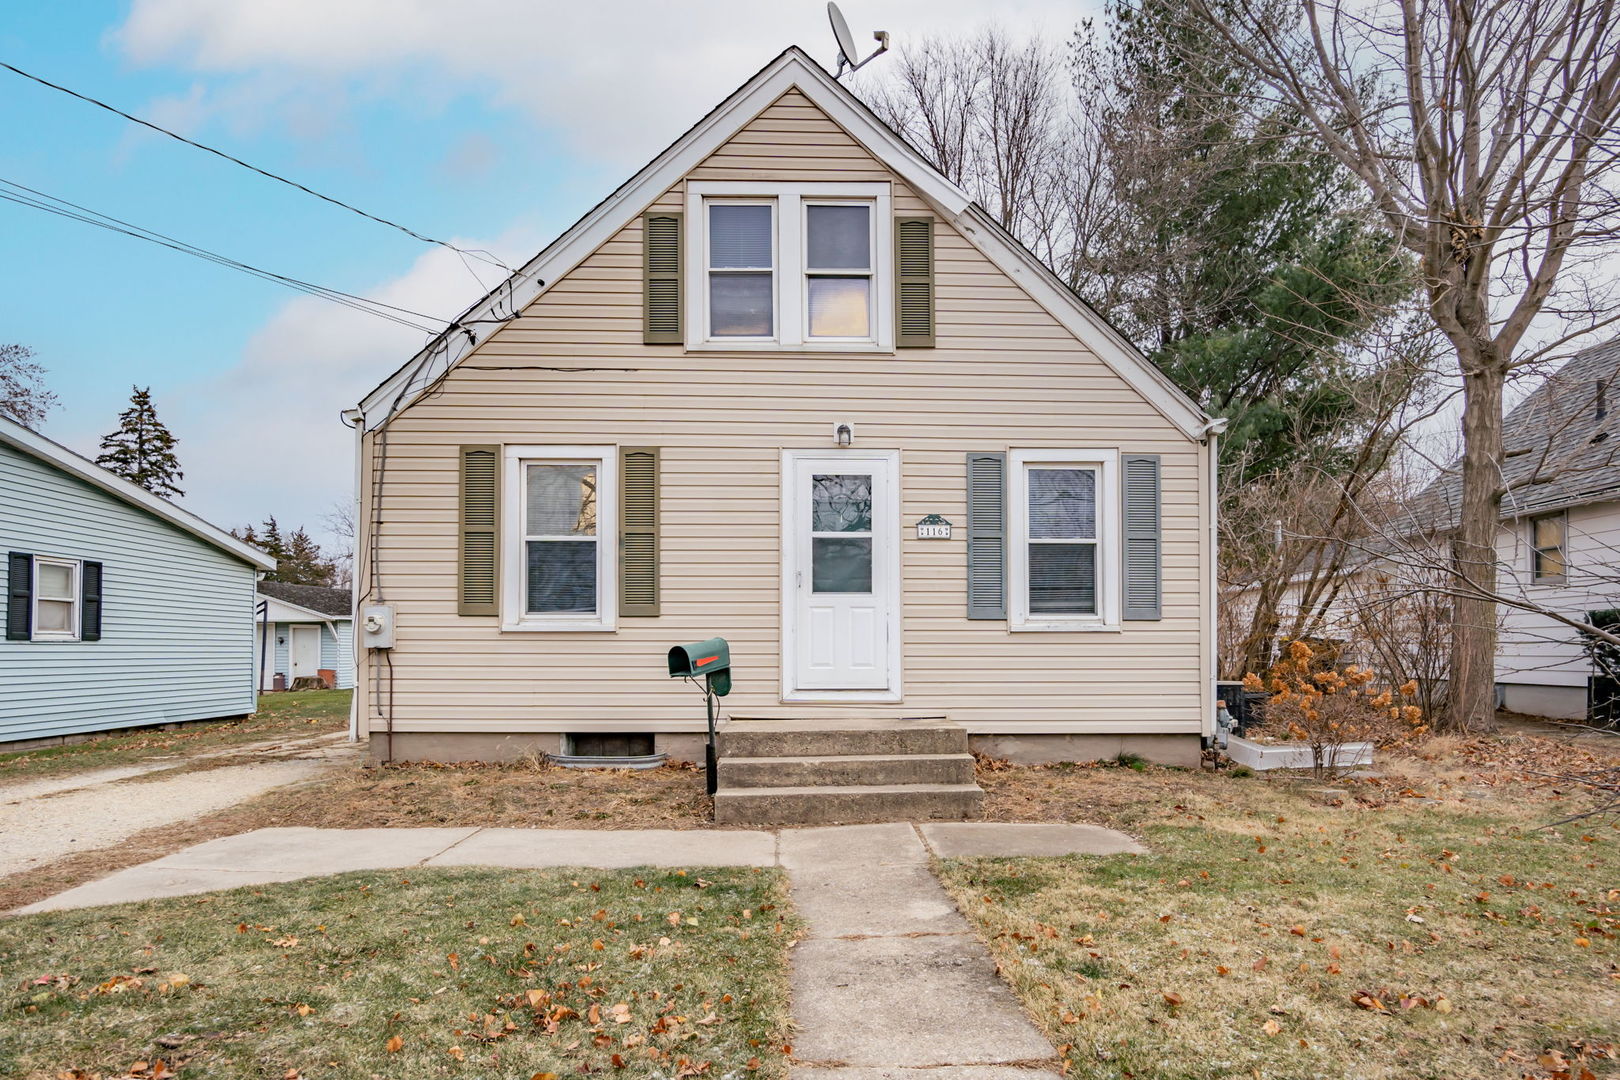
{"x": 377, "y": 626}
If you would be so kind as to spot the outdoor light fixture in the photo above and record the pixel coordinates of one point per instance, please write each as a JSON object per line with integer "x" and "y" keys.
{"x": 844, "y": 433}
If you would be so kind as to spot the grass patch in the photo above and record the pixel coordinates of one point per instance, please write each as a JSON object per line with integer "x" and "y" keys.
{"x": 473, "y": 973}
{"x": 1430, "y": 929}
{"x": 285, "y": 715}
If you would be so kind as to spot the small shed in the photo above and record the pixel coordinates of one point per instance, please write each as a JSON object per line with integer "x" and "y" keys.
{"x": 304, "y": 630}
{"x": 122, "y": 609}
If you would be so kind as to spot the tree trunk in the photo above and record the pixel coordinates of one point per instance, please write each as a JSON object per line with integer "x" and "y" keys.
{"x": 1473, "y": 547}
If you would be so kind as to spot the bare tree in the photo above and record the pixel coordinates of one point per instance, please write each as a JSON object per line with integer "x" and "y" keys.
{"x": 23, "y": 396}
{"x": 1485, "y": 136}
{"x": 339, "y": 521}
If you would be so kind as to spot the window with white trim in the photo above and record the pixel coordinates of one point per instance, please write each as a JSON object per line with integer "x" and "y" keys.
{"x": 1064, "y": 552}
{"x": 789, "y": 265}
{"x": 56, "y": 599}
{"x": 560, "y": 544}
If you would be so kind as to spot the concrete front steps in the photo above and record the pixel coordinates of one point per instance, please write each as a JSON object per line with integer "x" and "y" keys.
{"x": 827, "y": 772}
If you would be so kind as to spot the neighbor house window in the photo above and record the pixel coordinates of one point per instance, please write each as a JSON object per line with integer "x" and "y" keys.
{"x": 1547, "y": 539}
{"x": 560, "y": 543}
{"x": 790, "y": 265}
{"x": 1064, "y": 571}
{"x": 56, "y": 599}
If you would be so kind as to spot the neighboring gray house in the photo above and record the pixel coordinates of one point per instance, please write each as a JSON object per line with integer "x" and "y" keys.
{"x": 122, "y": 610}
{"x": 304, "y": 630}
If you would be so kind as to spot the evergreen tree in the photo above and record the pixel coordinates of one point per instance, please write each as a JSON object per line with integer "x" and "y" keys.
{"x": 299, "y": 559}
{"x": 142, "y": 449}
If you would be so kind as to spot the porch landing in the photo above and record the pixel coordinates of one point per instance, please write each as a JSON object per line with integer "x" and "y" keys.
{"x": 825, "y": 772}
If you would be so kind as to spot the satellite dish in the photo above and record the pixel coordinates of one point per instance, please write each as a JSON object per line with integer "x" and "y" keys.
{"x": 846, "y": 42}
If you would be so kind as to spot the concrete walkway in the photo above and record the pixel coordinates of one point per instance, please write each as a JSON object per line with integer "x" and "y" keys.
{"x": 890, "y": 981}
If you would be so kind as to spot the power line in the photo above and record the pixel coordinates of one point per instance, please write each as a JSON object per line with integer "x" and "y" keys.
{"x": 478, "y": 253}
{"x": 23, "y": 195}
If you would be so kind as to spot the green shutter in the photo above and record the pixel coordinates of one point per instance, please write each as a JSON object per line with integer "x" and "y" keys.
{"x": 19, "y": 596}
{"x": 661, "y": 279}
{"x": 90, "y": 601}
{"x": 638, "y": 530}
{"x": 987, "y": 536}
{"x": 914, "y": 283}
{"x": 1143, "y": 538}
{"x": 480, "y": 506}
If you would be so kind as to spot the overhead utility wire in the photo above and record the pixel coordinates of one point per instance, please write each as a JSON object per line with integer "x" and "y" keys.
{"x": 478, "y": 253}
{"x": 39, "y": 200}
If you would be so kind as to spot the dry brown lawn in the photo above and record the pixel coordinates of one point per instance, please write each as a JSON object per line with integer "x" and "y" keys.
{"x": 1430, "y": 926}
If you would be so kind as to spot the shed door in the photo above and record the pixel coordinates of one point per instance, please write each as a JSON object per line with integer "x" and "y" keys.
{"x": 842, "y": 567}
{"x": 306, "y": 651}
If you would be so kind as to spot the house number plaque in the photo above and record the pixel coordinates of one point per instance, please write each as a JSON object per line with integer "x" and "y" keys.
{"x": 933, "y": 527}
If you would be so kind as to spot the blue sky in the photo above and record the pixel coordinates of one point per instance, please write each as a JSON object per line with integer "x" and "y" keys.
{"x": 490, "y": 123}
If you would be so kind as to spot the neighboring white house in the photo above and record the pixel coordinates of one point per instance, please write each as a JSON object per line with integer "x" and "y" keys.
{"x": 303, "y": 631}
{"x": 1558, "y": 547}
{"x": 122, "y": 609}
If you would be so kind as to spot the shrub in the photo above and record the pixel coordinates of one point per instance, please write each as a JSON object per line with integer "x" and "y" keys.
{"x": 1326, "y": 707}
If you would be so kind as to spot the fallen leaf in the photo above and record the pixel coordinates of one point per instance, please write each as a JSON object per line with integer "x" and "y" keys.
{"x": 394, "y": 1045}
{"x": 1271, "y": 1027}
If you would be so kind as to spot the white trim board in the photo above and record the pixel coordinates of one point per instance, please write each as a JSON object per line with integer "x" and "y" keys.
{"x": 36, "y": 445}
{"x": 792, "y": 70}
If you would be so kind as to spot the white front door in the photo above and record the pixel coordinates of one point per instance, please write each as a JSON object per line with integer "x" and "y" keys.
{"x": 841, "y": 587}
{"x": 306, "y": 651}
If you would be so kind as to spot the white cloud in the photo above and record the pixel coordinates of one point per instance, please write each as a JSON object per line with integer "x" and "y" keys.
{"x": 619, "y": 80}
{"x": 264, "y": 437}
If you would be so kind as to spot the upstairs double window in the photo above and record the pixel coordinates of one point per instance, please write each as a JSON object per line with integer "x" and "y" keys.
{"x": 789, "y": 265}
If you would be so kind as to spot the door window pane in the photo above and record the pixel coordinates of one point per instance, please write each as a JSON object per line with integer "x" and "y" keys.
{"x": 739, "y": 236}
{"x": 561, "y": 576}
{"x": 740, "y": 305}
{"x": 841, "y": 503}
{"x": 561, "y": 500}
{"x": 1062, "y": 504}
{"x": 839, "y": 307}
{"x": 841, "y": 564}
{"x": 1063, "y": 579}
{"x": 55, "y": 581}
{"x": 838, "y": 237}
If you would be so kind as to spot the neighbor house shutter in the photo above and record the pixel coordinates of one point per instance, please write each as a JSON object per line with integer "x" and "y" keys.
{"x": 90, "y": 601}
{"x": 987, "y": 536}
{"x": 638, "y": 530}
{"x": 914, "y": 282}
{"x": 1143, "y": 590}
{"x": 480, "y": 523}
{"x": 661, "y": 279}
{"x": 19, "y": 596}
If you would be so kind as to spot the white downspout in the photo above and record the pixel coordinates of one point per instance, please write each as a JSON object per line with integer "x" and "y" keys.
{"x": 1212, "y": 438}
{"x": 355, "y": 419}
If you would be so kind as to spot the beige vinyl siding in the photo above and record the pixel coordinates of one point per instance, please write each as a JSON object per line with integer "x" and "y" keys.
{"x": 1005, "y": 374}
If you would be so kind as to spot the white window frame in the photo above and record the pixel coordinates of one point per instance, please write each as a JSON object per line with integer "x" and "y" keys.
{"x": 514, "y": 569}
{"x": 1106, "y": 462}
{"x": 75, "y": 599}
{"x": 790, "y": 276}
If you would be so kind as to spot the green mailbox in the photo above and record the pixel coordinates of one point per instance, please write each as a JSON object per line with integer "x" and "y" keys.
{"x": 710, "y": 659}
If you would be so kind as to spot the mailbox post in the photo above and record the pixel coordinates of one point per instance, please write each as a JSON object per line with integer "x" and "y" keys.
{"x": 711, "y": 660}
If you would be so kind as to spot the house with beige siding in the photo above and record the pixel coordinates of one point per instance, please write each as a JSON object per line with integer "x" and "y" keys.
{"x": 789, "y": 386}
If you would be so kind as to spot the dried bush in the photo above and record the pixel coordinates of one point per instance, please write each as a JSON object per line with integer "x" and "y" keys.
{"x": 1329, "y": 707}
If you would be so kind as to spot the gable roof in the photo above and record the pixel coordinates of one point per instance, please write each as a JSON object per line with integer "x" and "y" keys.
{"x": 37, "y": 446}
{"x": 337, "y": 603}
{"x": 1559, "y": 448}
{"x": 792, "y": 69}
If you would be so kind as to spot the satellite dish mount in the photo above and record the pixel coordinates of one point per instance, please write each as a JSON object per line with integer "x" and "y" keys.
{"x": 846, "y": 43}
